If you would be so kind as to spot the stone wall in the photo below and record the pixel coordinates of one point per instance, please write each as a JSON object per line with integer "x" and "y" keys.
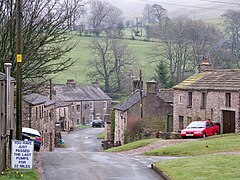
{"x": 215, "y": 104}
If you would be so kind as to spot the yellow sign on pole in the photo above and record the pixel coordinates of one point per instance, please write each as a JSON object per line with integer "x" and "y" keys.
{"x": 19, "y": 58}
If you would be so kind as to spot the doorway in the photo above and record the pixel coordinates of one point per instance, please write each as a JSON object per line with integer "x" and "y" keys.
{"x": 228, "y": 122}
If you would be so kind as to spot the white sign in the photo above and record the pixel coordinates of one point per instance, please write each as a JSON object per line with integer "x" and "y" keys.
{"x": 22, "y": 154}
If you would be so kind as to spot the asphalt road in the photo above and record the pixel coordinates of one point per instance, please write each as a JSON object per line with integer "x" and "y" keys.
{"x": 84, "y": 159}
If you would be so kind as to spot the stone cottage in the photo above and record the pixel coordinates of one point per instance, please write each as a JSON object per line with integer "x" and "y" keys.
{"x": 209, "y": 94}
{"x": 156, "y": 112}
{"x": 39, "y": 113}
{"x": 5, "y": 125}
{"x": 88, "y": 102}
{"x": 63, "y": 115}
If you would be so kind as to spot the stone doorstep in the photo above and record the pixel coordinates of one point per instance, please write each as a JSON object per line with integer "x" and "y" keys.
{"x": 160, "y": 172}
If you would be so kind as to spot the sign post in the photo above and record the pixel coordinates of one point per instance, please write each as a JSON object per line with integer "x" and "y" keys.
{"x": 22, "y": 154}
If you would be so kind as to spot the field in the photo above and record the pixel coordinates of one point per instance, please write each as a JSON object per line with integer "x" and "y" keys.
{"x": 82, "y": 54}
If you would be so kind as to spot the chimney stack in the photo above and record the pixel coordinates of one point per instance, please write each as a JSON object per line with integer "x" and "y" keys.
{"x": 151, "y": 87}
{"x": 205, "y": 66}
{"x": 71, "y": 83}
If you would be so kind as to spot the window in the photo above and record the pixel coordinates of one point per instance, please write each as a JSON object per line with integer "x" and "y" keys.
{"x": 36, "y": 113}
{"x": 91, "y": 117}
{"x": 91, "y": 105}
{"x": 78, "y": 108}
{"x": 180, "y": 99}
{"x": 72, "y": 108}
{"x": 189, "y": 99}
{"x": 104, "y": 104}
{"x": 228, "y": 99}
{"x": 203, "y": 100}
{"x": 59, "y": 112}
{"x": 97, "y": 115}
{"x": 181, "y": 122}
{"x": 64, "y": 112}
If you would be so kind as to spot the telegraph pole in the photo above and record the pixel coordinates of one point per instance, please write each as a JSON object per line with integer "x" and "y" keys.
{"x": 19, "y": 69}
{"x": 141, "y": 101}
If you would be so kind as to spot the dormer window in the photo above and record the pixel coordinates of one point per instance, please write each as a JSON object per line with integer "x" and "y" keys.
{"x": 228, "y": 99}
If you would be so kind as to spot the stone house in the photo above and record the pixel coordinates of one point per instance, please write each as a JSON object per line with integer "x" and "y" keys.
{"x": 39, "y": 113}
{"x": 156, "y": 112}
{"x": 88, "y": 102}
{"x": 209, "y": 94}
{"x": 63, "y": 115}
{"x": 4, "y": 125}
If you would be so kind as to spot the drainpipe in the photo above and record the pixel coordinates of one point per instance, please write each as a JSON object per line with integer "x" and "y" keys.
{"x": 8, "y": 133}
{"x": 8, "y": 81}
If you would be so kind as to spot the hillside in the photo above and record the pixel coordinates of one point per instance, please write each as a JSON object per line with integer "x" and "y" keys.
{"x": 82, "y": 54}
{"x": 194, "y": 9}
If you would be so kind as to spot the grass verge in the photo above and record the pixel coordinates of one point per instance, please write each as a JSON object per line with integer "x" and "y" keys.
{"x": 216, "y": 144}
{"x": 31, "y": 174}
{"x": 202, "y": 167}
{"x": 101, "y": 135}
{"x": 132, "y": 145}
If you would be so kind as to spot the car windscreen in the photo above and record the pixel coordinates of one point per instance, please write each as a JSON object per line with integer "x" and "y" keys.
{"x": 196, "y": 124}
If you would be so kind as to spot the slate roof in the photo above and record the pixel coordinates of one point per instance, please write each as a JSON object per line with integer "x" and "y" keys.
{"x": 36, "y": 99}
{"x": 80, "y": 93}
{"x": 130, "y": 101}
{"x": 166, "y": 95}
{"x": 227, "y": 79}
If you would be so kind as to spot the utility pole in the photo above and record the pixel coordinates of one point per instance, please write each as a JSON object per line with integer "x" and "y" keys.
{"x": 19, "y": 69}
{"x": 141, "y": 101}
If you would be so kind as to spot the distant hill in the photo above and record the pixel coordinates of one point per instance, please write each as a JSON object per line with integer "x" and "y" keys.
{"x": 194, "y": 9}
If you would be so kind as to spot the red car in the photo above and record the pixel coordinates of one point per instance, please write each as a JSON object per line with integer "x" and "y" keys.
{"x": 200, "y": 129}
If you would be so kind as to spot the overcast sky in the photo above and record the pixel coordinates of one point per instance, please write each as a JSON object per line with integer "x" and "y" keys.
{"x": 199, "y": 9}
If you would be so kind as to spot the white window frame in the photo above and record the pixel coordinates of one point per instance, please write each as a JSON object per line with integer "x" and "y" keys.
{"x": 104, "y": 104}
{"x": 91, "y": 117}
{"x": 78, "y": 106}
{"x": 91, "y": 105}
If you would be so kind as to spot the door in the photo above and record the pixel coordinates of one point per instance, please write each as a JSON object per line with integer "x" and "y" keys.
{"x": 170, "y": 123}
{"x": 228, "y": 121}
{"x": 51, "y": 142}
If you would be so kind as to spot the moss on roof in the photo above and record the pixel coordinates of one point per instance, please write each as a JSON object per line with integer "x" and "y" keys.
{"x": 226, "y": 79}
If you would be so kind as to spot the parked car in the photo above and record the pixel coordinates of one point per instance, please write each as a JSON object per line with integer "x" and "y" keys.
{"x": 200, "y": 129}
{"x": 34, "y": 135}
{"x": 97, "y": 123}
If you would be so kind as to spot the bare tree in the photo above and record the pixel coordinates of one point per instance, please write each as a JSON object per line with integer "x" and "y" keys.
{"x": 184, "y": 43}
{"x": 154, "y": 14}
{"x": 103, "y": 16}
{"x": 111, "y": 59}
{"x": 74, "y": 9}
{"x": 205, "y": 40}
{"x": 232, "y": 29}
{"x": 45, "y": 39}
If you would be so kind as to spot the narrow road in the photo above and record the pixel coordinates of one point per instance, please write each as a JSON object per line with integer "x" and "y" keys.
{"x": 84, "y": 159}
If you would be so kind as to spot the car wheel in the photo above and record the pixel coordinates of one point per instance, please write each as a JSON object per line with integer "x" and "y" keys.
{"x": 37, "y": 149}
{"x": 204, "y": 135}
{"x": 216, "y": 133}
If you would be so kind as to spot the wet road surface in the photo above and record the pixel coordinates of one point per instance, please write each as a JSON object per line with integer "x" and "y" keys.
{"x": 84, "y": 159}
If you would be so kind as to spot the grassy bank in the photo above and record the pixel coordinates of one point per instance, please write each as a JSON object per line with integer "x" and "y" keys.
{"x": 210, "y": 145}
{"x": 133, "y": 145}
{"x": 202, "y": 167}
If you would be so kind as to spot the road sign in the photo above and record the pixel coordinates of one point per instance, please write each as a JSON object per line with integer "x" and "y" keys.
{"x": 22, "y": 154}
